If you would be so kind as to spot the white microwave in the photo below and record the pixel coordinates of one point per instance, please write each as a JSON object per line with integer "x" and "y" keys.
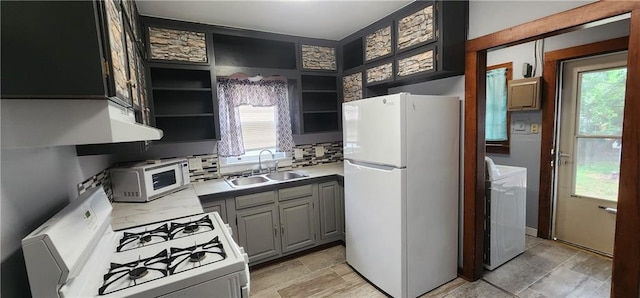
{"x": 144, "y": 182}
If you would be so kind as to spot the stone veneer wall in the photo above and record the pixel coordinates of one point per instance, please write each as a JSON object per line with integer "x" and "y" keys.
{"x": 117, "y": 47}
{"x": 380, "y": 73}
{"x": 101, "y": 179}
{"x": 316, "y": 57}
{"x": 416, "y": 28}
{"x": 378, "y": 43}
{"x": 332, "y": 153}
{"x": 352, "y": 87}
{"x": 416, "y": 63}
{"x": 178, "y": 45}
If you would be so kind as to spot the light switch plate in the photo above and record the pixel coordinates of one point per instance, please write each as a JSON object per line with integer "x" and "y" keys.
{"x": 319, "y": 151}
{"x": 297, "y": 153}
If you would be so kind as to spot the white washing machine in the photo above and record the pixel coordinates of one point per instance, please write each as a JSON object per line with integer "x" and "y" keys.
{"x": 505, "y": 206}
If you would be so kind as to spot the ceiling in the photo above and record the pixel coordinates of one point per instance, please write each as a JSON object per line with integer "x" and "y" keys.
{"x": 323, "y": 19}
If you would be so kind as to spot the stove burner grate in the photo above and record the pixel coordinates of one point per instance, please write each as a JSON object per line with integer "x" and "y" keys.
{"x": 135, "y": 271}
{"x": 135, "y": 240}
{"x": 203, "y": 225}
{"x": 195, "y": 254}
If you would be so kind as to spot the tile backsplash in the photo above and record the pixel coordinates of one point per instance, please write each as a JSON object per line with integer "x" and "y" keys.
{"x": 101, "y": 179}
{"x": 203, "y": 167}
{"x": 308, "y": 154}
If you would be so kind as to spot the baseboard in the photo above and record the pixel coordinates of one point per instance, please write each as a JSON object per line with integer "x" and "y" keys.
{"x": 531, "y": 231}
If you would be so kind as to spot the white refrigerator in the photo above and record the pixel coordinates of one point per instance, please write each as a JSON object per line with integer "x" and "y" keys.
{"x": 401, "y": 174}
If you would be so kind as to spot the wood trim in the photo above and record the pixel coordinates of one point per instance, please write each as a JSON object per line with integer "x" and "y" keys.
{"x": 503, "y": 146}
{"x": 626, "y": 250}
{"x": 626, "y": 261}
{"x": 474, "y": 152}
{"x": 552, "y": 25}
{"x": 551, "y": 62}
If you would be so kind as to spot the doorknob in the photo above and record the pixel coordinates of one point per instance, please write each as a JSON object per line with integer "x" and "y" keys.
{"x": 609, "y": 210}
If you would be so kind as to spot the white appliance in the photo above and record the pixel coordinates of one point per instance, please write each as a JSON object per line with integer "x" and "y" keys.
{"x": 142, "y": 182}
{"x": 77, "y": 254}
{"x": 69, "y": 122}
{"x": 505, "y": 205}
{"x": 401, "y": 172}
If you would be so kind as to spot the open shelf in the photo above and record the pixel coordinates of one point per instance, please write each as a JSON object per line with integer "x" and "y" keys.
{"x": 353, "y": 54}
{"x": 319, "y": 101}
{"x": 253, "y": 52}
{"x": 178, "y": 129}
{"x": 180, "y": 79}
{"x": 319, "y": 83}
{"x": 320, "y": 122}
{"x": 183, "y": 104}
{"x": 180, "y": 89}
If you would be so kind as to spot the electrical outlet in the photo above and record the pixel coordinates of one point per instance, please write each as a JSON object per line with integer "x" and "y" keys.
{"x": 319, "y": 151}
{"x": 297, "y": 153}
{"x": 534, "y": 128}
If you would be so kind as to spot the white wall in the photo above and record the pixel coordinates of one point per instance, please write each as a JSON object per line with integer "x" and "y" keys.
{"x": 35, "y": 184}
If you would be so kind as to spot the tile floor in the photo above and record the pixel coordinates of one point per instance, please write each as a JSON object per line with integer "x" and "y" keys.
{"x": 545, "y": 269}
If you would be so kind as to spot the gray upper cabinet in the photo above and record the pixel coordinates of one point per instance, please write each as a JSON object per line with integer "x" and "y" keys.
{"x": 296, "y": 223}
{"x": 258, "y": 232}
{"x": 330, "y": 210}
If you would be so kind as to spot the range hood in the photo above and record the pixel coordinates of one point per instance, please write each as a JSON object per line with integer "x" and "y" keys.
{"x": 53, "y": 122}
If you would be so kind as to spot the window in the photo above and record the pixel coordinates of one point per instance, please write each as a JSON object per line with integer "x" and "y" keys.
{"x": 254, "y": 115}
{"x": 498, "y": 119}
{"x": 258, "y": 127}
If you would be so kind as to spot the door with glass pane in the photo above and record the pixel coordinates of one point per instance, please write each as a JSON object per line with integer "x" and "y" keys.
{"x": 588, "y": 163}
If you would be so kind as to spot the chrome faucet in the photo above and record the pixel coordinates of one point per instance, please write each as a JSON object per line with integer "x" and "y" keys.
{"x": 260, "y": 159}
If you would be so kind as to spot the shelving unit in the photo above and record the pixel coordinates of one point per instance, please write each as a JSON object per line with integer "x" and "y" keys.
{"x": 183, "y": 104}
{"x": 320, "y": 106}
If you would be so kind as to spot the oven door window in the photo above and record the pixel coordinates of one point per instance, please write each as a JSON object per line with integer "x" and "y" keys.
{"x": 164, "y": 179}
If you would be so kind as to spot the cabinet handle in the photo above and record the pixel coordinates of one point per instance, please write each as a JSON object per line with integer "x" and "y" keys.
{"x": 275, "y": 230}
{"x": 282, "y": 230}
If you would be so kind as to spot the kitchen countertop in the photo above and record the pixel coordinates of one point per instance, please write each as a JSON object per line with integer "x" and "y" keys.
{"x": 218, "y": 186}
{"x": 178, "y": 204}
{"x": 186, "y": 202}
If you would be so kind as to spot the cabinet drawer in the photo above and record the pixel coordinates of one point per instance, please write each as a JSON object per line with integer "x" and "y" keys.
{"x": 255, "y": 199}
{"x": 295, "y": 192}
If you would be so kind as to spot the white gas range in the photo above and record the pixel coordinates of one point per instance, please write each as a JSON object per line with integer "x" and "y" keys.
{"x": 77, "y": 254}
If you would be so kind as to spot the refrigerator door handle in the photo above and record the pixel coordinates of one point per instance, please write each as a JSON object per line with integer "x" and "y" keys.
{"x": 381, "y": 167}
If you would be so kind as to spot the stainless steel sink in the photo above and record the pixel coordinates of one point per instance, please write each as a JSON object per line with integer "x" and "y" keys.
{"x": 281, "y": 176}
{"x": 264, "y": 178}
{"x": 242, "y": 181}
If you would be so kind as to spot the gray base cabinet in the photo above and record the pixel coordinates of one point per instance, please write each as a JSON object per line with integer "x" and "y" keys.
{"x": 276, "y": 223}
{"x": 217, "y": 206}
{"x": 330, "y": 209}
{"x": 258, "y": 232}
{"x": 296, "y": 219}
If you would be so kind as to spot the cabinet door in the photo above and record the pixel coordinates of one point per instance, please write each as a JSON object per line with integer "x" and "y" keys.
{"x": 258, "y": 232}
{"x": 342, "y": 222}
{"x": 329, "y": 201}
{"x": 117, "y": 51}
{"x": 216, "y": 206}
{"x": 296, "y": 224}
{"x": 132, "y": 55}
